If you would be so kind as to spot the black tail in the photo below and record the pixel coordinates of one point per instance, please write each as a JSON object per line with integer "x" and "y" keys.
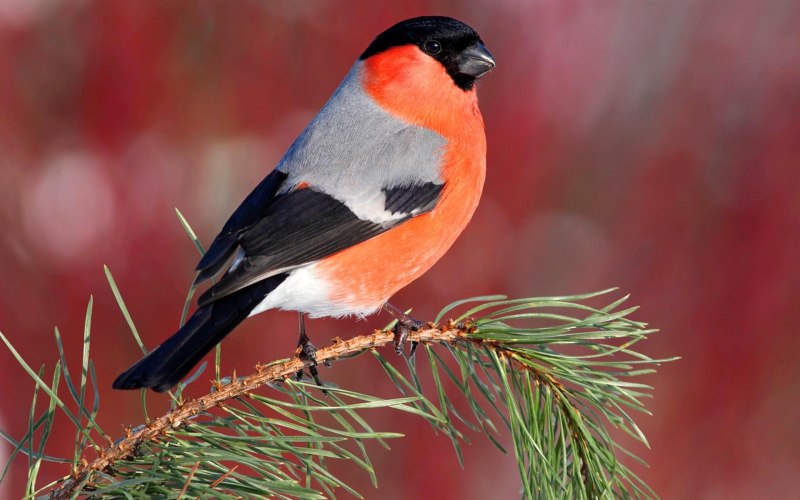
{"x": 170, "y": 362}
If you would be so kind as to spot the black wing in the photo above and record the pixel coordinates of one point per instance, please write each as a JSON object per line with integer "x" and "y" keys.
{"x": 305, "y": 225}
{"x": 253, "y": 209}
{"x": 414, "y": 199}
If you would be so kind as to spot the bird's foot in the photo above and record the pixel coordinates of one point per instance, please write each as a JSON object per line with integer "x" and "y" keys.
{"x": 307, "y": 352}
{"x": 401, "y": 331}
{"x": 404, "y": 326}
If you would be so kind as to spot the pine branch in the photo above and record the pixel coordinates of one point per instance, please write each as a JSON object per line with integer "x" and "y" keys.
{"x": 556, "y": 406}
{"x": 505, "y": 362}
{"x": 242, "y": 387}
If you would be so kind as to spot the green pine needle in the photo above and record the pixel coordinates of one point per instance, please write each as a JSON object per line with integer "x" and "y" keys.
{"x": 552, "y": 373}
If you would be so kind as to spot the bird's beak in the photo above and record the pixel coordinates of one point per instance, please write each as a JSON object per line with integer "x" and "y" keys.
{"x": 475, "y": 61}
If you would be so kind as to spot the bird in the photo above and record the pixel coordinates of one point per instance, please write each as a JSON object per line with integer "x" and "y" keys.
{"x": 370, "y": 195}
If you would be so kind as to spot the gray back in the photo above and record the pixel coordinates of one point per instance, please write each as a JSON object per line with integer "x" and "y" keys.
{"x": 353, "y": 149}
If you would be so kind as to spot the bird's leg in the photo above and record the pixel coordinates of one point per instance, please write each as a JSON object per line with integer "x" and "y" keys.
{"x": 405, "y": 325}
{"x": 307, "y": 352}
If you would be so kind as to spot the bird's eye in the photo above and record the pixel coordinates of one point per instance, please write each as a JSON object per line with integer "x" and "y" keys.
{"x": 432, "y": 47}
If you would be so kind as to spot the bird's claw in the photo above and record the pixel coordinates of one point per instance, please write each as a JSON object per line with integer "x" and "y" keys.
{"x": 402, "y": 329}
{"x": 306, "y": 351}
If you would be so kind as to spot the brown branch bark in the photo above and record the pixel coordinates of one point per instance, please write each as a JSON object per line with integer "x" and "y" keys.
{"x": 264, "y": 374}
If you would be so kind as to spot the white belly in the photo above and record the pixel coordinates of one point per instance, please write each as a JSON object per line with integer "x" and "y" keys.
{"x": 304, "y": 291}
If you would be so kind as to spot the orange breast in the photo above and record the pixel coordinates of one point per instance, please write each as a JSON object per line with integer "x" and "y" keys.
{"x": 417, "y": 89}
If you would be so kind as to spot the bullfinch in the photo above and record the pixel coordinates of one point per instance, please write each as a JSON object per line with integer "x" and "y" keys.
{"x": 370, "y": 195}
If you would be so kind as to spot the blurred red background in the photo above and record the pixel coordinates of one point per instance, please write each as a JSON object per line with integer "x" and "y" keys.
{"x": 654, "y": 146}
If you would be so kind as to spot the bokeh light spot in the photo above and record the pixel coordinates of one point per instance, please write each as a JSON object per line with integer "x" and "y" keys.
{"x": 67, "y": 208}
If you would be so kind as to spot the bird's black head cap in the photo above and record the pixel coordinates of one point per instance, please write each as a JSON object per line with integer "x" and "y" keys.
{"x": 454, "y": 44}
